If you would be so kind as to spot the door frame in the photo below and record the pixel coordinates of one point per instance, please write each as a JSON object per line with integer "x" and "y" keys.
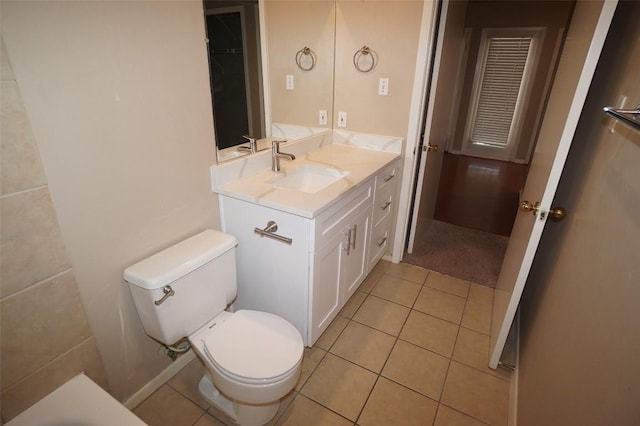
{"x": 406, "y": 201}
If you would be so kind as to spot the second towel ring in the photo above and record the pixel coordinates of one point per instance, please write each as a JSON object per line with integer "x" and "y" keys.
{"x": 364, "y": 51}
{"x": 302, "y": 53}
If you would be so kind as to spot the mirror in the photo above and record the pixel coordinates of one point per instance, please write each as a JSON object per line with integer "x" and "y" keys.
{"x": 249, "y": 90}
{"x": 234, "y": 50}
{"x": 292, "y": 26}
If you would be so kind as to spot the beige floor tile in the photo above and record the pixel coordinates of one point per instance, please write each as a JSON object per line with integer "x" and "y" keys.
{"x": 167, "y": 407}
{"x": 481, "y": 294}
{"x": 405, "y": 271}
{"x": 417, "y": 369}
{"x": 306, "y": 412}
{"x": 448, "y": 284}
{"x": 477, "y": 394}
{"x": 396, "y": 290}
{"x": 350, "y": 308}
{"x": 331, "y": 333}
{"x": 285, "y": 403}
{"x": 430, "y": 332}
{"x": 440, "y": 304}
{"x": 186, "y": 382}
{"x": 221, "y": 416}
{"x": 382, "y": 315}
{"x": 449, "y": 417}
{"x": 371, "y": 280}
{"x": 477, "y": 316}
{"x": 311, "y": 359}
{"x": 340, "y": 386}
{"x": 208, "y": 420}
{"x": 472, "y": 349}
{"x": 365, "y": 346}
{"x": 392, "y": 404}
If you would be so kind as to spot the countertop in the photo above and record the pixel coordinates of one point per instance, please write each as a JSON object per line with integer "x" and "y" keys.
{"x": 360, "y": 163}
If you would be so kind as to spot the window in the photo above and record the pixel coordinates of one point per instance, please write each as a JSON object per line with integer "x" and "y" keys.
{"x": 504, "y": 69}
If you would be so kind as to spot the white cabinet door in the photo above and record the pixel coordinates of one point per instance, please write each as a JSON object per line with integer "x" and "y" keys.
{"x": 356, "y": 260}
{"x": 326, "y": 298}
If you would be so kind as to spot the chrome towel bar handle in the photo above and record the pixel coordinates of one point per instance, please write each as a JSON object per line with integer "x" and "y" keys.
{"x": 270, "y": 231}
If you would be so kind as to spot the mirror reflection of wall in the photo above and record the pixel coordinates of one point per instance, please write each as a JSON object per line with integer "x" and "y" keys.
{"x": 291, "y": 26}
{"x": 235, "y": 70}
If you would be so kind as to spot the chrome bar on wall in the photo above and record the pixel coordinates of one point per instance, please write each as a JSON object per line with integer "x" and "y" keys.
{"x": 269, "y": 231}
{"x": 630, "y": 117}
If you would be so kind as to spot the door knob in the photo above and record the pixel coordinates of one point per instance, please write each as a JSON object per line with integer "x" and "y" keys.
{"x": 429, "y": 147}
{"x": 528, "y": 206}
{"x": 556, "y": 214}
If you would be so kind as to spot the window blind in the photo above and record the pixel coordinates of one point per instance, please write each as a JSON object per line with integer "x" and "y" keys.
{"x": 506, "y": 58}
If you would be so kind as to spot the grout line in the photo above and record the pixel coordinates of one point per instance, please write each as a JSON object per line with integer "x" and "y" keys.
{"x": 36, "y": 284}
{"x": 23, "y": 191}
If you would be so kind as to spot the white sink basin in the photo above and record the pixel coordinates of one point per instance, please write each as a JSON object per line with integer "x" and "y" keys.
{"x": 308, "y": 178}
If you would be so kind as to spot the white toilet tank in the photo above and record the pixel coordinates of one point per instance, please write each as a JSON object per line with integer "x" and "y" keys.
{"x": 179, "y": 289}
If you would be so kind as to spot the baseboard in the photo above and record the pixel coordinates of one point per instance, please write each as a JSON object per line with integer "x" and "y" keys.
{"x": 155, "y": 383}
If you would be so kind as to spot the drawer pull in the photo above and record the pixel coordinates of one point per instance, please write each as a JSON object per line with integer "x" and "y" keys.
{"x": 382, "y": 241}
{"x": 270, "y": 231}
{"x": 385, "y": 205}
{"x": 388, "y": 178}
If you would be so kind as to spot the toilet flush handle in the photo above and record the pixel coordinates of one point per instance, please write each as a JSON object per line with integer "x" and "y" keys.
{"x": 168, "y": 292}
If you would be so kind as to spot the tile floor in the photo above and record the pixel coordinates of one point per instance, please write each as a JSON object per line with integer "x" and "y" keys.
{"x": 409, "y": 348}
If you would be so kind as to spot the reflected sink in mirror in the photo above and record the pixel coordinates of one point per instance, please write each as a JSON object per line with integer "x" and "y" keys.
{"x": 308, "y": 178}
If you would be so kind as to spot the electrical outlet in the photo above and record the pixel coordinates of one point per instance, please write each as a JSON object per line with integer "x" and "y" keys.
{"x": 342, "y": 119}
{"x": 289, "y": 82}
{"x": 383, "y": 86}
{"x": 322, "y": 119}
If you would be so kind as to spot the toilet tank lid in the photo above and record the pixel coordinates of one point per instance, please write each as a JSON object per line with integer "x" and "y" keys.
{"x": 174, "y": 262}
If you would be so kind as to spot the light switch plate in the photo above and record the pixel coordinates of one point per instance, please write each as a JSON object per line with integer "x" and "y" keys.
{"x": 289, "y": 82}
{"x": 322, "y": 118}
{"x": 342, "y": 119}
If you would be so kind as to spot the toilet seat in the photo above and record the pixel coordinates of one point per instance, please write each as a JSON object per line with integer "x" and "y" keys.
{"x": 254, "y": 347}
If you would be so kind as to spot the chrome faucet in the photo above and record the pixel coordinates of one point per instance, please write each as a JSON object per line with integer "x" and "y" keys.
{"x": 252, "y": 148}
{"x": 276, "y": 155}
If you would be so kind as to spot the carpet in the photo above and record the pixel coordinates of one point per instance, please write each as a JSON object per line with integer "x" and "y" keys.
{"x": 461, "y": 252}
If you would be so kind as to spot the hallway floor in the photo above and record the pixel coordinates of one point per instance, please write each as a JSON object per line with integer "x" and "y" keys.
{"x": 479, "y": 193}
{"x": 410, "y": 348}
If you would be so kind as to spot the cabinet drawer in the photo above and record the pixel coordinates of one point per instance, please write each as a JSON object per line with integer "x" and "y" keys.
{"x": 383, "y": 203}
{"x": 387, "y": 177}
{"x": 338, "y": 215}
{"x": 380, "y": 239}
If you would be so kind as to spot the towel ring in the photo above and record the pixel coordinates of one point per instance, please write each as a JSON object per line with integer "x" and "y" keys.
{"x": 364, "y": 51}
{"x": 302, "y": 53}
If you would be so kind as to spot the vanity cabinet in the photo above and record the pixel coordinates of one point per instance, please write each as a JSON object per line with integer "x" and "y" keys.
{"x": 308, "y": 281}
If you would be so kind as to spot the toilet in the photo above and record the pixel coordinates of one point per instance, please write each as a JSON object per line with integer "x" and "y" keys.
{"x": 253, "y": 358}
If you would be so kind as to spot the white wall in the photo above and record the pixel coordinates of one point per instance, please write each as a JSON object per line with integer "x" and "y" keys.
{"x": 118, "y": 97}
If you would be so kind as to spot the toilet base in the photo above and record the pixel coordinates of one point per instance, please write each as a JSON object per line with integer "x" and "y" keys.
{"x": 243, "y": 414}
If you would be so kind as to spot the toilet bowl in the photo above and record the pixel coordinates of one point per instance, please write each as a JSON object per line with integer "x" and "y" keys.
{"x": 253, "y": 358}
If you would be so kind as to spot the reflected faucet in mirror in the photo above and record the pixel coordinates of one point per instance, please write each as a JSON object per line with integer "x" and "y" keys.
{"x": 252, "y": 145}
